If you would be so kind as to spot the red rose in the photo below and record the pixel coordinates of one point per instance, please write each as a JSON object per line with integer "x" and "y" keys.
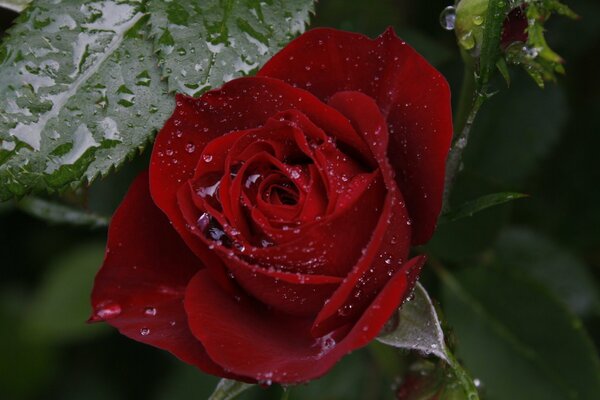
{"x": 271, "y": 236}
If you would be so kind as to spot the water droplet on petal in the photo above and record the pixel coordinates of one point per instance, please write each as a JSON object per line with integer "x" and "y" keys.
{"x": 150, "y": 311}
{"x": 190, "y": 147}
{"x": 203, "y": 221}
{"x": 108, "y": 311}
{"x": 145, "y": 331}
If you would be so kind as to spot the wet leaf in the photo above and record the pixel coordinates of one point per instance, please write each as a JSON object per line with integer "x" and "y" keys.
{"x": 203, "y": 44}
{"x": 81, "y": 93}
{"x": 519, "y": 340}
{"x": 15, "y": 5}
{"x": 472, "y": 207}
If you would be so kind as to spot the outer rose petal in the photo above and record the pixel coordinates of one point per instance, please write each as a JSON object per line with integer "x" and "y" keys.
{"x": 390, "y": 240}
{"x": 140, "y": 287}
{"x": 412, "y": 95}
{"x": 249, "y": 340}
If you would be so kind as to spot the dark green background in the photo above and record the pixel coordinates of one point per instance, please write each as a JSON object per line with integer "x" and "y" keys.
{"x": 534, "y": 265}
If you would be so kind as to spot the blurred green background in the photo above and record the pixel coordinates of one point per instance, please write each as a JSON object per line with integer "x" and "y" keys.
{"x": 522, "y": 302}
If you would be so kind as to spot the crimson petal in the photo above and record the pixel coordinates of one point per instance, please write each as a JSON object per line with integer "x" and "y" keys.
{"x": 140, "y": 287}
{"x": 250, "y": 340}
{"x": 412, "y": 95}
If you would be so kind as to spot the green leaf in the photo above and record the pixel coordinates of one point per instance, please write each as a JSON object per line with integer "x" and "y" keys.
{"x": 81, "y": 94}
{"x": 474, "y": 206}
{"x": 15, "y": 5}
{"x": 61, "y": 214}
{"x": 61, "y": 305}
{"x": 552, "y": 266}
{"x": 417, "y": 327}
{"x": 517, "y": 339}
{"x": 228, "y": 389}
{"x": 203, "y": 44}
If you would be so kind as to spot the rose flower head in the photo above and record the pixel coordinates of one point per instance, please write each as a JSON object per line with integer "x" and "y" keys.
{"x": 271, "y": 234}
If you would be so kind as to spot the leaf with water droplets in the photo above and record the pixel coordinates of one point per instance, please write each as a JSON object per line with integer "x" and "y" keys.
{"x": 15, "y": 5}
{"x": 81, "y": 93}
{"x": 203, "y": 44}
{"x": 228, "y": 389}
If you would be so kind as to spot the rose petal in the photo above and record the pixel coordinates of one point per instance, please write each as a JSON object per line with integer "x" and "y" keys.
{"x": 141, "y": 285}
{"x": 199, "y": 121}
{"x": 412, "y": 95}
{"x": 390, "y": 242}
{"x": 250, "y": 340}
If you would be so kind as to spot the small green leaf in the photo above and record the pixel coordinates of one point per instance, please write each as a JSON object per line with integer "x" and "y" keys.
{"x": 80, "y": 93}
{"x": 61, "y": 214}
{"x": 15, "y": 5}
{"x": 474, "y": 206}
{"x": 517, "y": 339}
{"x": 203, "y": 44}
{"x": 228, "y": 389}
{"x": 503, "y": 68}
{"x": 417, "y": 327}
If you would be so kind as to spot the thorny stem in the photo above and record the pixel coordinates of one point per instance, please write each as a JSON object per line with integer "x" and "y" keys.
{"x": 469, "y": 103}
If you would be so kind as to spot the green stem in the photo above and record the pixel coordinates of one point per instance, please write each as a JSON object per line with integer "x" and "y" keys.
{"x": 469, "y": 103}
{"x": 467, "y": 90}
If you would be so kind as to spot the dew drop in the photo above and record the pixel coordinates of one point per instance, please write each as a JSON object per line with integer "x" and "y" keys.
{"x": 150, "y": 311}
{"x": 203, "y": 221}
{"x": 209, "y": 190}
{"x": 190, "y": 147}
{"x": 108, "y": 311}
{"x": 207, "y": 158}
{"x": 251, "y": 180}
{"x": 530, "y": 52}
{"x": 265, "y": 243}
{"x": 448, "y": 18}
{"x": 478, "y": 20}
{"x": 145, "y": 331}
